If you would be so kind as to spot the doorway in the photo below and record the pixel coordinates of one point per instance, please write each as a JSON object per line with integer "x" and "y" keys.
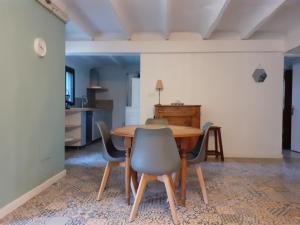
{"x": 291, "y": 105}
{"x": 287, "y": 110}
{"x": 107, "y": 89}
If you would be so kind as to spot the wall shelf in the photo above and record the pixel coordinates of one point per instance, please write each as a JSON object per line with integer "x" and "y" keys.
{"x": 75, "y": 127}
{"x": 72, "y": 126}
{"x": 99, "y": 89}
{"x": 70, "y": 140}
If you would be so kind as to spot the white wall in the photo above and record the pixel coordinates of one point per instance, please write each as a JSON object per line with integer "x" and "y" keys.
{"x": 292, "y": 40}
{"x": 114, "y": 78}
{"x": 96, "y": 47}
{"x": 82, "y": 71}
{"x": 249, "y": 113}
{"x": 295, "y": 142}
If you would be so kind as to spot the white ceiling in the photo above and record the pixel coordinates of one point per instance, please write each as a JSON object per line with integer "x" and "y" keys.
{"x": 123, "y": 19}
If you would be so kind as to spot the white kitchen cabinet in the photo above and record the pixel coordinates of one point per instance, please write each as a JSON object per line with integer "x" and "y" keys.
{"x": 75, "y": 128}
{"x": 80, "y": 125}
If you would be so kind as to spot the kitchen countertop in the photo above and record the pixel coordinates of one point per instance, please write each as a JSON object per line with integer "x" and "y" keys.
{"x": 83, "y": 109}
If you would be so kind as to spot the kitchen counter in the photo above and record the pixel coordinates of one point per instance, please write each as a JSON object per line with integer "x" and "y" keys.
{"x": 81, "y": 127}
{"x": 83, "y": 109}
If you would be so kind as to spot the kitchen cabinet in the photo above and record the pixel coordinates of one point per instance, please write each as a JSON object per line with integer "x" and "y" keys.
{"x": 75, "y": 128}
{"x": 80, "y": 125}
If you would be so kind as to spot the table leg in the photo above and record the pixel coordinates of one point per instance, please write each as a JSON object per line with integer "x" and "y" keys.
{"x": 186, "y": 144}
{"x": 183, "y": 177}
{"x": 127, "y": 144}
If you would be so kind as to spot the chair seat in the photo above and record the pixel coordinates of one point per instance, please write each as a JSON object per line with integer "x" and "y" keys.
{"x": 118, "y": 142}
{"x": 117, "y": 156}
{"x": 190, "y": 156}
{"x": 196, "y": 156}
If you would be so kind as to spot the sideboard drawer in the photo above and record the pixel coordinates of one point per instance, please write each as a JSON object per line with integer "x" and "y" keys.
{"x": 186, "y": 115}
{"x": 177, "y": 111}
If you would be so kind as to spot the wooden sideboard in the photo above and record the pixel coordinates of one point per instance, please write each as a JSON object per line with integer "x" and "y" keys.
{"x": 185, "y": 115}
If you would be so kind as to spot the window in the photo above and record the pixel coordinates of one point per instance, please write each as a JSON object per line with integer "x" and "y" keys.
{"x": 70, "y": 85}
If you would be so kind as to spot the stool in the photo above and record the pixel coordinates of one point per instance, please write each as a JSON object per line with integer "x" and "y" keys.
{"x": 217, "y": 135}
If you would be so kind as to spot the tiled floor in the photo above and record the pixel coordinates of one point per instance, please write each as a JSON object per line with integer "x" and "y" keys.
{"x": 240, "y": 191}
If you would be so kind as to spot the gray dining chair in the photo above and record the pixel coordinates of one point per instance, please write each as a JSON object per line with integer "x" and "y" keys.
{"x": 196, "y": 156}
{"x": 110, "y": 153}
{"x": 118, "y": 142}
{"x": 155, "y": 155}
{"x": 161, "y": 121}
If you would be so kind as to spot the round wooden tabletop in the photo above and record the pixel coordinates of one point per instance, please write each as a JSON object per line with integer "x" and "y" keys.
{"x": 178, "y": 131}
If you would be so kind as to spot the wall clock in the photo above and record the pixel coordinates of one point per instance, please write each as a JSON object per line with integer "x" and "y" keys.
{"x": 40, "y": 47}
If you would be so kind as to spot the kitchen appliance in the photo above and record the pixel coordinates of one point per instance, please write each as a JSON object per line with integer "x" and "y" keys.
{"x": 95, "y": 80}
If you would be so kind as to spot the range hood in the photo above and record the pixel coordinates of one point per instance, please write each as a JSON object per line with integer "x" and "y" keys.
{"x": 94, "y": 80}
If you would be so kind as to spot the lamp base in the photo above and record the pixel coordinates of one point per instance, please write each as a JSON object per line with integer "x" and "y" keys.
{"x": 158, "y": 97}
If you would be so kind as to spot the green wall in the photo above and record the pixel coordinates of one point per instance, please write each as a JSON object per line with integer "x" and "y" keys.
{"x": 31, "y": 98}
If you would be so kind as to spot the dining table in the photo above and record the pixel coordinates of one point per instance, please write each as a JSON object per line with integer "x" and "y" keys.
{"x": 186, "y": 139}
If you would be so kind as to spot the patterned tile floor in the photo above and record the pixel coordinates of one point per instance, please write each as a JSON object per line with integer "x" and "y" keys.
{"x": 240, "y": 192}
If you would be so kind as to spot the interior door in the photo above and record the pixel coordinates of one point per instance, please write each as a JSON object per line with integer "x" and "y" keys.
{"x": 287, "y": 110}
{"x": 295, "y": 145}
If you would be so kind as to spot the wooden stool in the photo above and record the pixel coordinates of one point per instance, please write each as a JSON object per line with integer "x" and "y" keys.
{"x": 217, "y": 133}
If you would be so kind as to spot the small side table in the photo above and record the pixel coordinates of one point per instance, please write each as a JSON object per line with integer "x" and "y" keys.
{"x": 218, "y": 143}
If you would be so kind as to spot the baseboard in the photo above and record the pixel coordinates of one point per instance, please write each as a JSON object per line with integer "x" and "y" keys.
{"x": 27, "y": 196}
{"x": 294, "y": 151}
{"x": 254, "y": 157}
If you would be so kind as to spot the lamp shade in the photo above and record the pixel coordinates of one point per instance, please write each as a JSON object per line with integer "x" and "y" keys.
{"x": 159, "y": 85}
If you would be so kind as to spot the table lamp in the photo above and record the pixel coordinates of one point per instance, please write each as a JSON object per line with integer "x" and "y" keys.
{"x": 159, "y": 87}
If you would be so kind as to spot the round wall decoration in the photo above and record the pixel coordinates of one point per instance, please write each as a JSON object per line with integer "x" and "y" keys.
{"x": 40, "y": 47}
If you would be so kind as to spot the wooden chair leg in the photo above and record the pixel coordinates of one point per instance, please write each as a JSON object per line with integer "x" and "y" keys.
{"x": 134, "y": 182}
{"x": 133, "y": 189}
{"x": 171, "y": 195}
{"x": 134, "y": 177}
{"x": 220, "y": 144}
{"x": 172, "y": 183}
{"x": 104, "y": 180}
{"x": 216, "y": 144}
{"x": 202, "y": 183}
{"x": 175, "y": 178}
{"x": 139, "y": 196}
{"x": 173, "y": 188}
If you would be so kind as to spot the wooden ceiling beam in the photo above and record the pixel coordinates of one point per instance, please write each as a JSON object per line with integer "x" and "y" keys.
{"x": 76, "y": 15}
{"x": 119, "y": 12}
{"x": 261, "y": 17}
{"x": 216, "y": 19}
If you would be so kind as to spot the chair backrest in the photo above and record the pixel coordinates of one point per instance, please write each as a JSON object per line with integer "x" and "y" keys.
{"x": 162, "y": 121}
{"x": 200, "y": 147}
{"x": 106, "y": 140}
{"x": 154, "y": 151}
